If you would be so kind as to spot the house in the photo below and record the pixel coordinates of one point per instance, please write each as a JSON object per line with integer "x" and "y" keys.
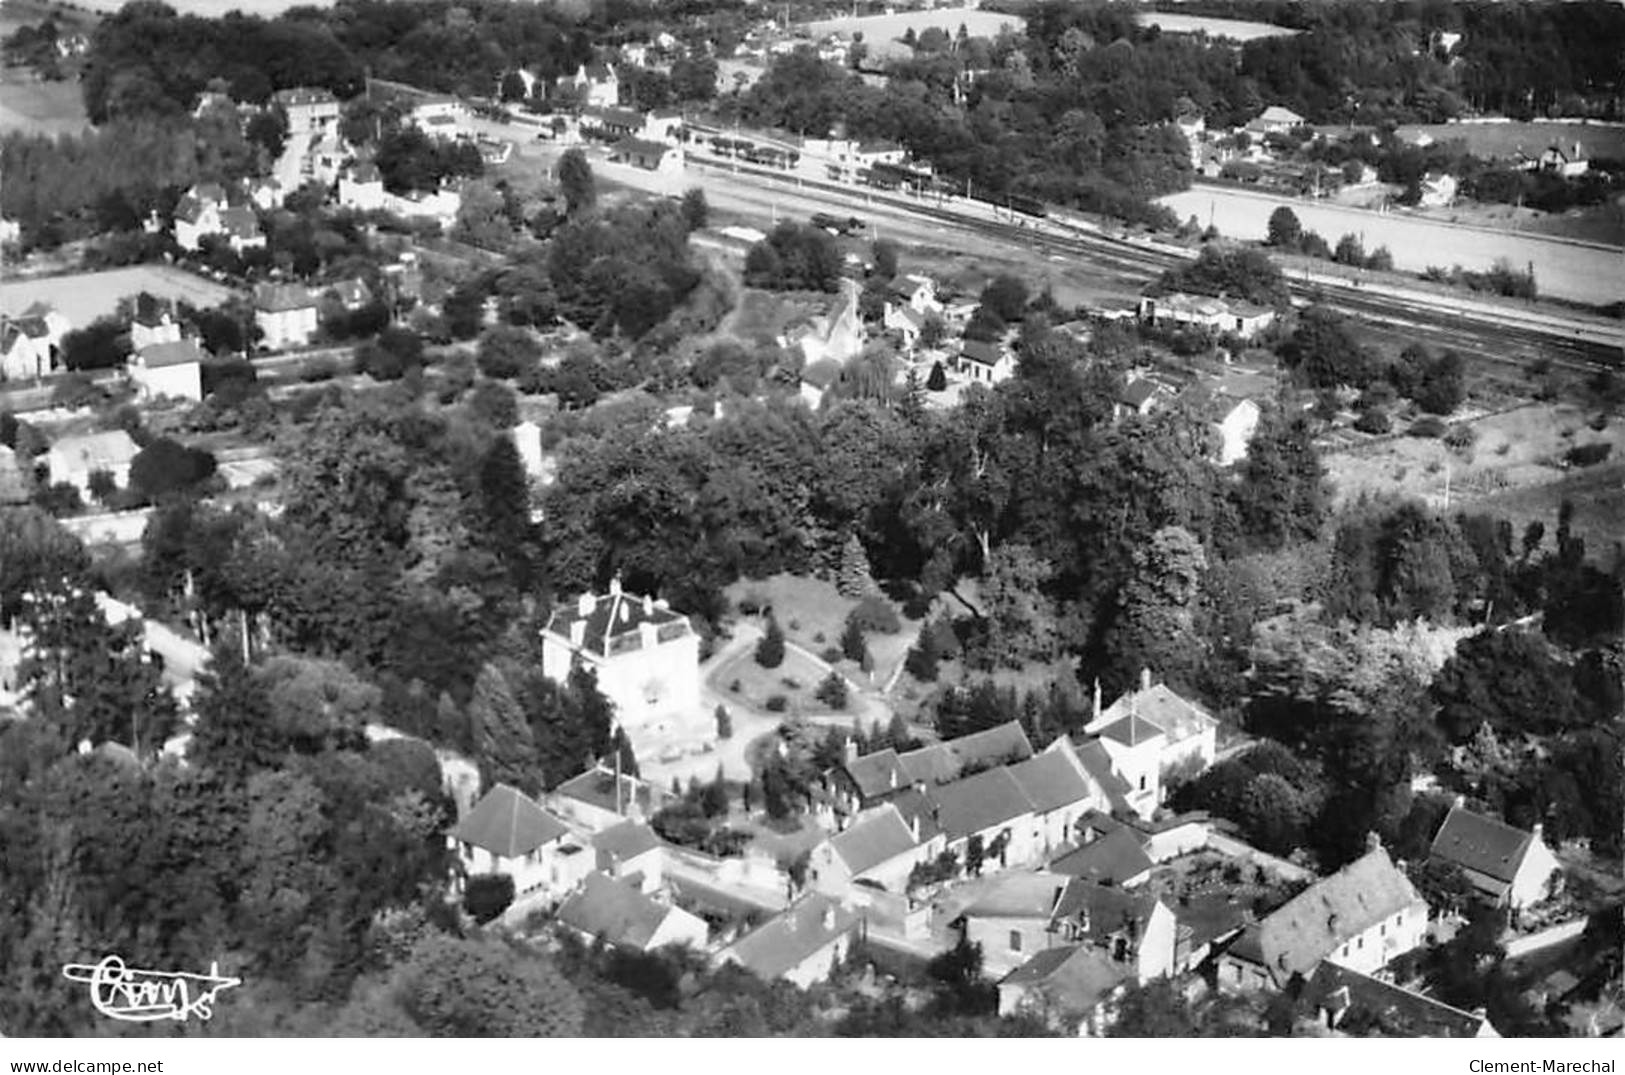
{"x": 916, "y": 292}
{"x": 197, "y": 215}
{"x": 153, "y": 322}
{"x": 1510, "y": 867}
{"x": 1275, "y": 120}
{"x": 600, "y": 799}
{"x": 986, "y": 362}
{"x": 1438, "y": 190}
{"x": 816, "y": 379}
{"x": 286, "y": 315}
{"x": 1194, "y": 127}
{"x": 611, "y": 124}
{"x": 623, "y": 917}
{"x": 1141, "y": 396}
{"x": 989, "y": 809}
{"x": 861, "y": 782}
{"x": 1235, "y": 421}
{"x": 1011, "y": 918}
{"x": 16, "y": 480}
{"x": 1362, "y": 917}
{"x": 631, "y": 852}
{"x": 905, "y": 321}
{"x": 1135, "y": 746}
{"x": 1334, "y": 993}
{"x": 1117, "y": 858}
{"x": 29, "y": 344}
{"x": 645, "y": 655}
{"x": 509, "y": 832}
{"x": 74, "y": 459}
{"x": 836, "y": 335}
{"x": 351, "y": 295}
{"x": 663, "y": 125}
{"x": 597, "y": 84}
{"x": 361, "y": 187}
{"x": 310, "y": 111}
{"x": 168, "y": 370}
{"x": 264, "y": 194}
{"x": 1022, "y": 914}
{"x": 657, "y": 157}
{"x": 241, "y": 228}
{"x": 1062, "y": 985}
{"x": 803, "y": 945}
{"x": 1190, "y": 733}
{"x": 1566, "y": 163}
{"x": 1219, "y": 316}
{"x": 880, "y": 848}
{"x": 1060, "y": 791}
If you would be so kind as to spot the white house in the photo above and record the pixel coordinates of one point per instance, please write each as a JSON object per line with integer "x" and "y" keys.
{"x": 624, "y": 917}
{"x": 599, "y": 800}
{"x": 508, "y": 832}
{"x": 168, "y": 371}
{"x": 1511, "y": 867}
{"x": 29, "y": 344}
{"x": 1022, "y": 914}
{"x": 645, "y": 655}
{"x": 657, "y": 157}
{"x": 1235, "y": 420}
{"x": 917, "y": 292}
{"x": 1060, "y": 791}
{"x": 880, "y": 847}
{"x": 1275, "y": 120}
{"x": 986, "y": 362}
{"x": 631, "y": 852}
{"x": 198, "y": 215}
{"x": 153, "y": 323}
{"x": 361, "y": 187}
{"x": 837, "y": 335}
{"x": 1438, "y": 190}
{"x": 1190, "y": 733}
{"x": 287, "y": 314}
{"x": 440, "y": 205}
{"x": 803, "y": 945}
{"x": 310, "y": 111}
{"x": 1362, "y": 917}
{"x": 597, "y": 84}
{"x": 992, "y": 808}
{"x": 1567, "y": 163}
{"x": 663, "y": 125}
{"x": 74, "y": 459}
{"x": 1227, "y": 317}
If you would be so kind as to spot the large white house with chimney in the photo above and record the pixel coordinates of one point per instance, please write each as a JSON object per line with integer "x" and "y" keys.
{"x": 646, "y": 656}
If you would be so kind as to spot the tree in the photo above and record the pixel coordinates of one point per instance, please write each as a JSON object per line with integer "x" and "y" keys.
{"x": 853, "y": 646}
{"x": 1006, "y": 297}
{"x": 507, "y": 352}
{"x": 1444, "y": 385}
{"x": 486, "y": 896}
{"x": 1019, "y": 617}
{"x": 1156, "y": 607}
{"x": 1281, "y": 497}
{"x": 853, "y": 579}
{"x": 487, "y": 989}
{"x": 884, "y": 255}
{"x": 576, "y": 182}
{"x": 770, "y": 650}
{"x": 513, "y": 87}
{"x": 494, "y": 404}
{"x": 1349, "y": 251}
{"x": 1324, "y": 353}
{"x": 832, "y": 690}
{"x": 503, "y": 742}
{"x": 696, "y": 210}
{"x": 725, "y": 724}
{"x": 1284, "y": 229}
{"x": 101, "y": 345}
{"x": 937, "y": 381}
{"x": 1508, "y": 679}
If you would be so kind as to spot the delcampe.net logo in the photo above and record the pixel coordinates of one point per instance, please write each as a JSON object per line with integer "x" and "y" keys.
{"x": 132, "y": 995}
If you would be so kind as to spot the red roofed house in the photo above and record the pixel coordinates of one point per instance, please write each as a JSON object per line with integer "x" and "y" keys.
{"x": 1511, "y": 867}
{"x": 1362, "y": 917}
{"x": 646, "y": 656}
{"x": 623, "y": 917}
{"x": 168, "y": 370}
{"x": 508, "y": 832}
{"x": 803, "y": 945}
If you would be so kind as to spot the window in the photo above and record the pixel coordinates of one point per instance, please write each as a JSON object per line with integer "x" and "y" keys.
{"x": 1237, "y": 968}
{"x": 1015, "y": 940}
{"x": 1142, "y": 781}
{"x": 1360, "y": 943}
{"x": 1382, "y": 930}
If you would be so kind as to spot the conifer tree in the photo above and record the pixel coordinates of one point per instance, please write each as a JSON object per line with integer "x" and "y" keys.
{"x": 770, "y": 650}
{"x": 853, "y": 578}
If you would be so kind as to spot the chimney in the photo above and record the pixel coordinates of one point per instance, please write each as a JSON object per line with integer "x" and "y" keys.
{"x": 1538, "y": 831}
{"x": 648, "y": 635}
{"x": 648, "y": 605}
{"x": 1460, "y": 802}
{"x": 894, "y": 778}
{"x": 615, "y": 585}
{"x": 1097, "y": 697}
{"x": 914, "y": 827}
{"x": 578, "y": 633}
{"x": 829, "y": 919}
{"x": 585, "y": 604}
{"x": 1373, "y": 842}
{"x": 849, "y": 750}
{"x": 1145, "y": 679}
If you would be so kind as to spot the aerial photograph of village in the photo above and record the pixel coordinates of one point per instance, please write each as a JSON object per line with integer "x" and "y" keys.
{"x": 739, "y": 519}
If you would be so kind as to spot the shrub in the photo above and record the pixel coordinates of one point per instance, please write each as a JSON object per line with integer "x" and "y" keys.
{"x": 875, "y": 613}
{"x": 487, "y": 896}
{"x": 791, "y": 682}
{"x": 1428, "y": 426}
{"x": 1503, "y": 448}
{"x": 831, "y": 654}
{"x": 754, "y": 603}
{"x": 921, "y": 662}
{"x": 778, "y": 703}
{"x": 1461, "y": 437}
{"x": 1374, "y": 421}
{"x": 725, "y": 724}
{"x": 1599, "y": 423}
{"x": 321, "y": 369}
{"x": 734, "y": 686}
{"x": 832, "y": 691}
{"x": 1587, "y": 455}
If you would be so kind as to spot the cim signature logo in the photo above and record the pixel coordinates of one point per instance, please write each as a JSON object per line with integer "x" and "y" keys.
{"x": 145, "y": 996}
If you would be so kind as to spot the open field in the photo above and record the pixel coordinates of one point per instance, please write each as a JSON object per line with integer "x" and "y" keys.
{"x": 1578, "y": 272}
{"x": 1230, "y": 29}
{"x": 1594, "y": 224}
{"x": 1492, "y": 140}
{"x": 884, "y": 33}
{"x": 83, "y": 297}
{"x": 41, "y": 107}
{"x": 1513, "y": 471}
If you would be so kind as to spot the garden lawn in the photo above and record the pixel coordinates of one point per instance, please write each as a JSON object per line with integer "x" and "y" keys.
{"x": 758, "y": 684}
{"x": 813, "y": 615}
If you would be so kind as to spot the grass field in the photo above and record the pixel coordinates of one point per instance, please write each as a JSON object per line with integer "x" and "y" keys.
{"x": 1505, "y": 139}
{"x": 1229, "y": 29}
{"x": 41, "y": 107}
{"x": 83, "y": 297}
{"x": 884, "y": 33}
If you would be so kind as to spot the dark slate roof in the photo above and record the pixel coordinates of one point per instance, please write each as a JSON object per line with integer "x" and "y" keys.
{"x": 614, "y": 911}
{"x": 1338, "y": 989}
{"x": 508, "y": 823}
{"x": 877, "y": 837}
{"x": 940, "y": 763}
{"x": 641, "y": 148}
{"x": 596, "y": 787}
{"x": 278, "y": 298}
{"x": 792, "y": 937}
{"x": 179, "y": 353}
{"x": 613, "y": 617}
{"x": 821, "y": 374}
{"x": 1019, "y": 895}
{"x": 240, "y": 221}
{"x": 1075, "y": 977}
{"x": 1098, "y": 764}
{"x": 1178, "y": 718}
{"x": 1115, "y": 858}
{"x": 303, "y": 96}
{"x": 1052, "y": 780}
{"x": 1040, "y": 966}
{"x": 624, "y": 842}
{"x": 614, "y": 117}
{"x": 1131, "y": 731}
{"x": 1314, "y": 923}
{"x": 915, "y": 806}
{"x": 877, "y": 774}
{"x": 979, "y": 802}
{"x": 365, "y": 172}
{"x": 1481, "y": 844}
{"x": 1102, "y": 910}
{"x": 981, "y": 352}
{"x": 1137, "y": 392}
